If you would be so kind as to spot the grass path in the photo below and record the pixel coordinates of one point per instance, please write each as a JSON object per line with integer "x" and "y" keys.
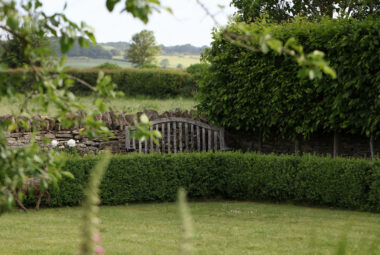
{"x": 128, "y": 104}
{"x": 220, "y": 228}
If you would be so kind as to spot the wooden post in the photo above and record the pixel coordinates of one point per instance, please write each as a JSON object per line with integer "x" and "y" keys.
{"x": 198, "y": 139}
{"x": 371, "y": 148}
{"x": 336, "y": 145}
{"x": 260, "y": 142}
{"x": 215, "y": 140}
{"x": 221, "y": 139}
{"x": 297, "y": 146}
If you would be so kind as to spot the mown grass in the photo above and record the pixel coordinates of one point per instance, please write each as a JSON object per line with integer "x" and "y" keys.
{"x": 220, "y": 228}
{"x": 128, "y": 104}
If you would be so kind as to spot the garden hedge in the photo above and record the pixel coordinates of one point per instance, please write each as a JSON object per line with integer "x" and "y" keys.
{"x": 156, "y": 83}
{"x": 312, "y": 180}
{"x": 247, "y": 90}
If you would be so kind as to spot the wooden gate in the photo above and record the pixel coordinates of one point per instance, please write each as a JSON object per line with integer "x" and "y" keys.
{"x": 178, "y": 135}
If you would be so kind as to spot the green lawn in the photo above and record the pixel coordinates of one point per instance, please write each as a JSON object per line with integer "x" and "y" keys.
{"x": 127, "y": 104}
{"x": 220, "y": 228}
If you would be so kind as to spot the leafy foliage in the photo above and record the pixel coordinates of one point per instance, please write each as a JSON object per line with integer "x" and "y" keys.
{"x": 284, "y": 10}
{"x": 13, "y": 55}
{"x": 344, "y": 183}
{"x": 49, "y": 87}
{"x": 108, "y": 65}
{"x": 143, "y": 48}
{"x": 248, "y": 90}
{"x": 164, "y": 63}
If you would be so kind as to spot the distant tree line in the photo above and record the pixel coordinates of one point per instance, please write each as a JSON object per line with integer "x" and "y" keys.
{"x": 182, "y": 49}
{"x": 186, "y": 49}
{"x": 92, "y": 51}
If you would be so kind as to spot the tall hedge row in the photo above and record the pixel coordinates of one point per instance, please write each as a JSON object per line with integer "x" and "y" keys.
{"x": 261, "y": 92}
{"x": 344, "y": 183}
{"x": 149, "y": 82}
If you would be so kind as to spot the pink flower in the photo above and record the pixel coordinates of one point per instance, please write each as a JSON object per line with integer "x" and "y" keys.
{"x": 99, "y": 250}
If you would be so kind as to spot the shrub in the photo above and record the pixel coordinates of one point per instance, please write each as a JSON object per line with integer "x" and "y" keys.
{"x": 148, "y": 82}
{"x": 261, "y": 93}
{"x": 344, "y": 183}
{"x": 149, "y": 66}
{"x": 108, "y": 65}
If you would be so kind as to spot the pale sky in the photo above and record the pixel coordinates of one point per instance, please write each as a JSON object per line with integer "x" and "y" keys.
{"x": 188, "y": 23}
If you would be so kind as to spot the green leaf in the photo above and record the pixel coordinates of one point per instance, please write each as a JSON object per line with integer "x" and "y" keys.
{"x": 83, "y": 42}
{"x": 111, "y": 4}
{"x": 12, "y": 22}
{"x": 275, "y": 45}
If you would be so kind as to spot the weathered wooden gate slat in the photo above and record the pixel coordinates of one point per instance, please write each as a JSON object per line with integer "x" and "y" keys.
{"x": 151, "y": 141}
{"x": 192, "y": 138}
{"x": 168, "y": 135}
{"x": 186, "y": 137}
{"x": 209, "y": 140}
{"x": 176, "y": 137}
{"x": 198, "y": 139}
{"x": 180, "y": 136}
{"x": 159, "y": 140}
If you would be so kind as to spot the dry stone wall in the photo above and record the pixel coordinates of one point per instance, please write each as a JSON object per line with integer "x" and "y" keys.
{"x": 321, "y": 144}
{"x": 49, "y": 128}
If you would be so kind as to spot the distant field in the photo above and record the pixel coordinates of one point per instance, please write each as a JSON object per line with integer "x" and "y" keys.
{"x": 185, "y": 60}
{"x": 82, "y": 62}
{"x": 127, "y": 104}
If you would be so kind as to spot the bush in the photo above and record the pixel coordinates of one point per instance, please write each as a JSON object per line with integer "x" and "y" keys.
{"x": 149, "y": 66}
{"x": 344, "y": 183}
{"x": 108, "y": 65}
{"x": 248, "y": 90}
{"x": 148, "y": 82}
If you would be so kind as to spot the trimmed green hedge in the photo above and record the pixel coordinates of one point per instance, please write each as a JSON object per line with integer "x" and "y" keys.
{"x": 148, "y": 82}
{"x": 246, "y": 90}
{"x": 344, "y": 183}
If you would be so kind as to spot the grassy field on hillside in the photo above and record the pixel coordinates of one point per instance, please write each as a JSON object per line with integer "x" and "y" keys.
{"x": 185, "y": 60}
{"x": 127, "y": 104}
{"x": 220, "y": 228}
{"x": 83, "y": 62}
